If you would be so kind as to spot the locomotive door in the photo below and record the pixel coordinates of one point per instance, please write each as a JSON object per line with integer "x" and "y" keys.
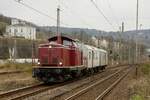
{"x": 99, "y": 59}
{"x": 92, "y": 59}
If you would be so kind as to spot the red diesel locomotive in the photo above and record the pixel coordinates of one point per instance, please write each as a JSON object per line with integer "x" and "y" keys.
{"x": 63, "y": 58}
{"x": 58, "y": 61}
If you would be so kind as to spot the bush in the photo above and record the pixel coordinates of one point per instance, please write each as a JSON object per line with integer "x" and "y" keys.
{"x": 146, "y": 69}
{"x": 17, "y": 66}
{"x": 137, "y": 97}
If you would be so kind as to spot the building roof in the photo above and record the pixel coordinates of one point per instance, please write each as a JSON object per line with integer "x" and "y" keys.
{"x": 21, "y": 25}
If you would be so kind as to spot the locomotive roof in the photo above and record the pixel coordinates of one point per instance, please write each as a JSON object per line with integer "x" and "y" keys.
{"x": 63, "y": 38}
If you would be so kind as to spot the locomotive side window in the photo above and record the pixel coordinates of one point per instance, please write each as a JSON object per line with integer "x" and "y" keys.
{"x": 96, "y": 55}
{"x": 67, "y": 43}
{"x": 75, "y": 44}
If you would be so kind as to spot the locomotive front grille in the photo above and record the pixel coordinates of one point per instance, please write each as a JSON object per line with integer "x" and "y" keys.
{"x": 55, "y": 61}
{"x": 45, "y": 60}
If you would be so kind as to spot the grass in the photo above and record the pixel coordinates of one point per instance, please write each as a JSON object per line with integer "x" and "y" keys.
{"x": 137, "y": 97}
{"x": 142, "y": 86}
{"x": 17, "y": 66}
{"x": 16, "y": 80}
{"x": 3, "y": 25}
{"x": 146, "y": 69}
{"x": 16, "y": 83}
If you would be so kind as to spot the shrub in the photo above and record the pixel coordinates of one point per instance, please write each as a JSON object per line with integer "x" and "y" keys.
{"x": 146, "y": 69}
{"x": 137, "y": 97}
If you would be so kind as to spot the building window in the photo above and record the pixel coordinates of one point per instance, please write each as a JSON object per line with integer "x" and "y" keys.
{"x": 10, "y": 30}
{"x": 21, "y": 30}
{"x": 30, "y": 31}
{"x": 15, "y": 31}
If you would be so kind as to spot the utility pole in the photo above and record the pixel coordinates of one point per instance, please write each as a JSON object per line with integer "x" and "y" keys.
{"x": 140, "y": 44}
{"x": 33, "y": 50}
{"x": 137, "y": 15}
{"x": 15, "y": 46}
{"x": 122, "y": 27}
{"x": 58, "y": 26}
{"x": 120, "y": 45}
{"x": 129, "y": 52}
{"x": 122, "y": 30}
{"x": 137, "y": 24}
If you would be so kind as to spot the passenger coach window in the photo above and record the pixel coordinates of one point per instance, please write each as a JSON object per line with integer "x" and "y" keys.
{"x": 67, "y": 43}
{"x": 89, "y": 55}
{"x": 96, "y": 57}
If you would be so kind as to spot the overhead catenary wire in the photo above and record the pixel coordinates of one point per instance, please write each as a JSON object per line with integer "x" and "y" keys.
{"x": 46, "y": 15}
{"x": 113, "y": 12}
{"x": 40, "y": 12}
{"x": 101, "y": 12}
{"x": 74, "y": 12}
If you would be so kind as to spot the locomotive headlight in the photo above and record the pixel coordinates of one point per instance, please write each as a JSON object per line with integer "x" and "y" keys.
{"x": 50, "y": 46}
{"x": 38, "y": 63}
{"x": 60, "y": 63}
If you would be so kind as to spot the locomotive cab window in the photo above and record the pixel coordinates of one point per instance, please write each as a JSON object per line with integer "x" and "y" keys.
{"x": 53, "y": 42}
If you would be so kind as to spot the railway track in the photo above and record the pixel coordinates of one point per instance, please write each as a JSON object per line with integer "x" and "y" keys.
{"x": 14, "y": 72}
{"x": 86, "y": 93}
{"x": 111, "y": 87}
{"x": 13, "y": 93}
{"x": 31, "y": 90}
{"x": 117, "y": 66}
{"x": 10, "y": 72}
{"x": 28, "y": 91}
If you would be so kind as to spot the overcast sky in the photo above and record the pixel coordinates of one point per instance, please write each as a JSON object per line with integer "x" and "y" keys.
{"x": 81, "y": 13}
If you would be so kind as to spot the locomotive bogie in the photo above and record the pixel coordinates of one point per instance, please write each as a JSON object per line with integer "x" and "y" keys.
{"x": 55, "y": 74}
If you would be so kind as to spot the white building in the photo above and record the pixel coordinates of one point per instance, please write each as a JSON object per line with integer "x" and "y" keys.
{"x": 21, "y": 29}
{"x": 101, "y": 42}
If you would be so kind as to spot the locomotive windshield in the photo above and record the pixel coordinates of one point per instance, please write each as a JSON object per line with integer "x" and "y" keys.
{"x": 65, "y": 41}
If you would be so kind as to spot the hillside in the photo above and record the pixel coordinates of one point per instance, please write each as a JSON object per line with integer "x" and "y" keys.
{"x": 47, "y": 31}
{"x": 142, "y": 35}
{"x": 4, "y": 21}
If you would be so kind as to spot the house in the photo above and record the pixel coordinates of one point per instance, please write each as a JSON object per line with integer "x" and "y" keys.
{"x": 100, "y": 42}
{"x": 22, "y": 29}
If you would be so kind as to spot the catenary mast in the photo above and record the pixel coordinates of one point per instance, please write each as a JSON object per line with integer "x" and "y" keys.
{"x": 58, "y": 26}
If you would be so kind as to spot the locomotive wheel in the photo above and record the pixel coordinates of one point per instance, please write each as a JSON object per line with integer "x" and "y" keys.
{"x": 96, "y": 69}
{"x": 84, "y": 72}
{"x": 61, "y": 78}
{"x": 103, "y": 68}
{"x": 91, "y": 71}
